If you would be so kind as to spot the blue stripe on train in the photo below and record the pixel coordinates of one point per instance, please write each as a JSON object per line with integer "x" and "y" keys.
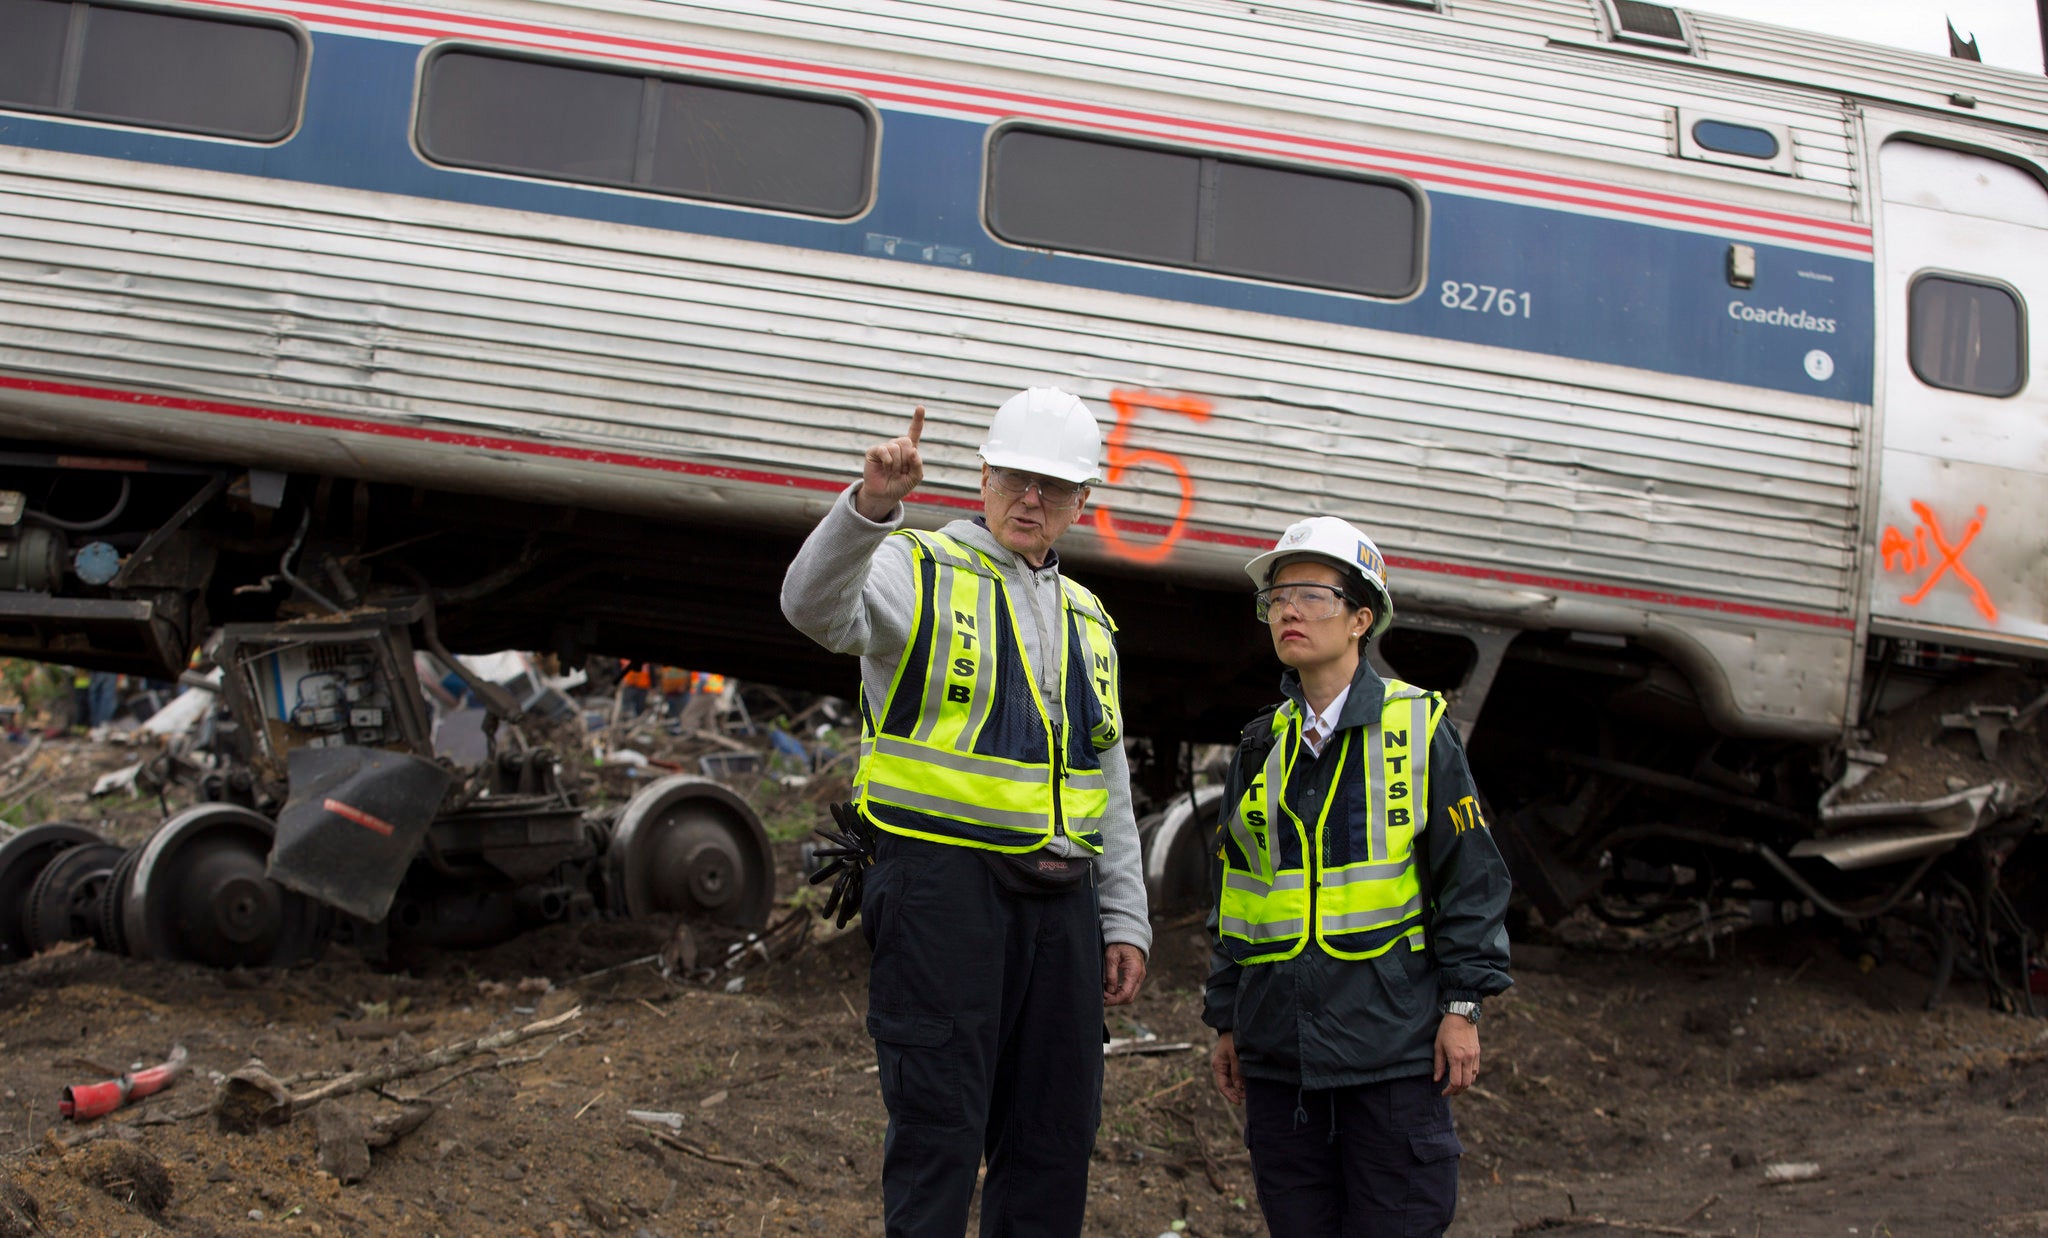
{"x": 1578, "y": 286}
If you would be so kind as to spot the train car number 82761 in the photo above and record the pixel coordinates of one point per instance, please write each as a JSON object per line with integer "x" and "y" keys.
{"x": 1486, "y": 299}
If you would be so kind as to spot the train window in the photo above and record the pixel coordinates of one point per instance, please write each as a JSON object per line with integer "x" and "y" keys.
{"x": 1966, "y": 335}
{"x": 1748, "y": 141}
{"x": 1740, "y": 142}
{"x": 693, "y": 139}
{"x": 1179, "y": 208}
{"x": 226, "y": 77}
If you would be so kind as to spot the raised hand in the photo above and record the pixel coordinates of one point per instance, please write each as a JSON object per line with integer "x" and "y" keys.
{"x": 891, "y": 470}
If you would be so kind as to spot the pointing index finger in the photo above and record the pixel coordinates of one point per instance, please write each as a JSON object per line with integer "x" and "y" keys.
{"x": 916, "y": 424}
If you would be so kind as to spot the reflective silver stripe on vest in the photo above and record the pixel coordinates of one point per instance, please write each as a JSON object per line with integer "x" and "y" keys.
{"x": 985, "y": 673}
{"x": 1087, "y": 780}
{"x": 983, "y": 767}
{"x": 946, "y": 555}
{"x": 1263, "y": 932}
{"x": 1372, "y": 919}
{"x": 940, "y": 648}
{"x": 1418, "y": 763}
{"x": 1376, "y": 778}
{"x": 1362, "y": 872}
{"x": 1239, "y": 831}
{"x": 939, "y": 804}
{"x": 1241, "y": 834}
{"x": 1292, "y": 879}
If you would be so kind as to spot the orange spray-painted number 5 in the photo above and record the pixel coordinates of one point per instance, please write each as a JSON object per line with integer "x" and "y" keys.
{"x": 1122, "y": 460}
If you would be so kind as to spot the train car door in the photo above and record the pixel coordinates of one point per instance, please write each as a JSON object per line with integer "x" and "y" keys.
{"x": 1962, "y": 520}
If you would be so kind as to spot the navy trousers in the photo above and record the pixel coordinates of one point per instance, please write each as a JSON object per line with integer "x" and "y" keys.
{"x": 1375, "y": 1161}
{"x": 986, "y": 1008}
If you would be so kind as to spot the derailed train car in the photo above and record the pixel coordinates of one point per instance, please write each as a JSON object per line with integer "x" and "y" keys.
{"x": 1681, "y": 365}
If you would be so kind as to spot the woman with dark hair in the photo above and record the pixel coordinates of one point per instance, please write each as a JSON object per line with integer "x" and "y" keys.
{"x": 1359, "y": 922}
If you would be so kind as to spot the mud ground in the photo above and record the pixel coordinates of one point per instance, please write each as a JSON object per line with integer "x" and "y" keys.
{"x": 1649, "y": 1082}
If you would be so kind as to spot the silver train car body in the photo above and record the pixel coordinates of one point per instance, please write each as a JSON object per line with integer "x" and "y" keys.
{"x": 1627, "y": 328}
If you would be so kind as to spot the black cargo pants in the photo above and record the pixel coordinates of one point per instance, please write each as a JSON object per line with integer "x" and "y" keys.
{"x": 1379, "y": 1160}
{"x": 986, "y": 1008}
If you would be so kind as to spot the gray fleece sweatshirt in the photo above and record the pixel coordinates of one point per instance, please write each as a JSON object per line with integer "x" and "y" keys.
{"x": 851, "y": 589}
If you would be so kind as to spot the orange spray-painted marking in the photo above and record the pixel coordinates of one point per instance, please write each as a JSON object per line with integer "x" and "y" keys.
{"x": 1121, "y": 459}
{"x": 1903, "y": 554}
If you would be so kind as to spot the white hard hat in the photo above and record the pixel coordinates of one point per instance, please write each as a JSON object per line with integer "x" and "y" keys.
{"x": 1045, "y": 431}
{"x": 1338, "y": 543}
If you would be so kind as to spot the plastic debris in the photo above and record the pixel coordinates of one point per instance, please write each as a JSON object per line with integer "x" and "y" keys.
{"x": 85, "y": 1101}
{"x": 1791, "y": 1171}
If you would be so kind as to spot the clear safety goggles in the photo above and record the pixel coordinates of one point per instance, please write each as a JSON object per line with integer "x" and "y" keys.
{"x": 1305, "y": 602}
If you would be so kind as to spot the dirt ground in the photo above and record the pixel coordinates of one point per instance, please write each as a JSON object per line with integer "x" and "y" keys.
{"x": 1655, "y": 1082}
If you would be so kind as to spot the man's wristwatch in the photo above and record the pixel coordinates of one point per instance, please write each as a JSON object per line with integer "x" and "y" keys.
{"x": 1469, "y": 1009}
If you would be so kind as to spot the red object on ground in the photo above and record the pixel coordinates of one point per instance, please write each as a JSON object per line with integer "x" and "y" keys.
{"x": 2037, "y": 982}
{"x": 92, "y": 1100}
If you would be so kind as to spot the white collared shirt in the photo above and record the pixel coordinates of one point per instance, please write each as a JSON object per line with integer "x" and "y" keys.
{"x": 1317, "y": 728}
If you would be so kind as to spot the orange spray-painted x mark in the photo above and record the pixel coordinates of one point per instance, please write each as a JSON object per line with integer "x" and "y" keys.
{"x": 1950, "y": 559}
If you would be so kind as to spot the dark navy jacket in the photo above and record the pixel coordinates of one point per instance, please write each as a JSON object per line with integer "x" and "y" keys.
{"x": 1320, "y": 1022}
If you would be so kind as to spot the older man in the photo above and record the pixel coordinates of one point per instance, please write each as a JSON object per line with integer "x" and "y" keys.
{"x": 1006, "y": 903}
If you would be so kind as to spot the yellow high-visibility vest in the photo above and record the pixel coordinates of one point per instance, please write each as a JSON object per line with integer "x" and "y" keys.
{"x": 1352, "y": 870}
{"x": 963, "y": 751}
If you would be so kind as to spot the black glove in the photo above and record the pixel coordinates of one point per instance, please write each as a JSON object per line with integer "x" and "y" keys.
{"x": 852, "y": 850}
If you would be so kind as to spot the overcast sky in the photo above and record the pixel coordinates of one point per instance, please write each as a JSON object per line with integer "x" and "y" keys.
{"x": 2005, "y": 29}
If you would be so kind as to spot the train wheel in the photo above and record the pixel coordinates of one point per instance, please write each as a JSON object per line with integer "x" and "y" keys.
{"x": 1179, "y": 847}
{"x": 109, "y": 932}
{"x": 64, "y": 903}
{"x": 22, "y": 860}
{"x": 689, "y": 845}
{"x": 198, "y": 894}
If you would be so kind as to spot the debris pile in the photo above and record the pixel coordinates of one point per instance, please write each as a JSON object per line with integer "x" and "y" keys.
{"x": 1978, "y": 730}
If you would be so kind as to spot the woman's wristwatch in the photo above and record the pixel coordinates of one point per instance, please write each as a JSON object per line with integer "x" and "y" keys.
{"x": 1469, "y": 1009}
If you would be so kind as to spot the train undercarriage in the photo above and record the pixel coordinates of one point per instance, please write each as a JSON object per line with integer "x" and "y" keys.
{"x": 1607, "y": 786}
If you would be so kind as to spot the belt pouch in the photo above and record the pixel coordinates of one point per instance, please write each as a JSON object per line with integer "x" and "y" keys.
{"x": 1038, "y": 872}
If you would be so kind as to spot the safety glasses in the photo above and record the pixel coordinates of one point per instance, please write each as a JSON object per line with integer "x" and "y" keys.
{"x": 1306, "y": 602}
{"x": 1051, "y": 492}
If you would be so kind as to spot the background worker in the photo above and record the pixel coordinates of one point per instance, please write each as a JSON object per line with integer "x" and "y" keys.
{"x": 1360, "y": 921}
{"x": 1006, "y": 903}
{"x": 699, "y": 706}
{"x": 636, "y": 680}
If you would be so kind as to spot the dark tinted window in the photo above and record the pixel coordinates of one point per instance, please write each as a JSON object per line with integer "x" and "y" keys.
{"x": 1729, "y": 139}
{"x": 198, "y": 74}
{"x": 523, "y": 115}
{"x": 1286, "y": 225}
{"x": 32, "y": 51}
{"x": 1966, "y": 336}
{"x": 608, "y": 127}
{"x": 761, "y": 149}
{"x": 1192, "y": 210}
{"x": 1099, "y": 198}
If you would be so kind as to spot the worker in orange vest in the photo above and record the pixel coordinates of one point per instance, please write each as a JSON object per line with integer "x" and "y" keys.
{"x": 635, "y": 684}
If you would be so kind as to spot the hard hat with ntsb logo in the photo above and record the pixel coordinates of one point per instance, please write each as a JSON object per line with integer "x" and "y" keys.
{"x": 1046, "y": 431}
{"x": 1333, "y": 541}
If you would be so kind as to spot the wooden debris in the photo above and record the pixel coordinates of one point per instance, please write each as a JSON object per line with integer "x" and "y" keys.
{"x": 684, "y": 1145}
